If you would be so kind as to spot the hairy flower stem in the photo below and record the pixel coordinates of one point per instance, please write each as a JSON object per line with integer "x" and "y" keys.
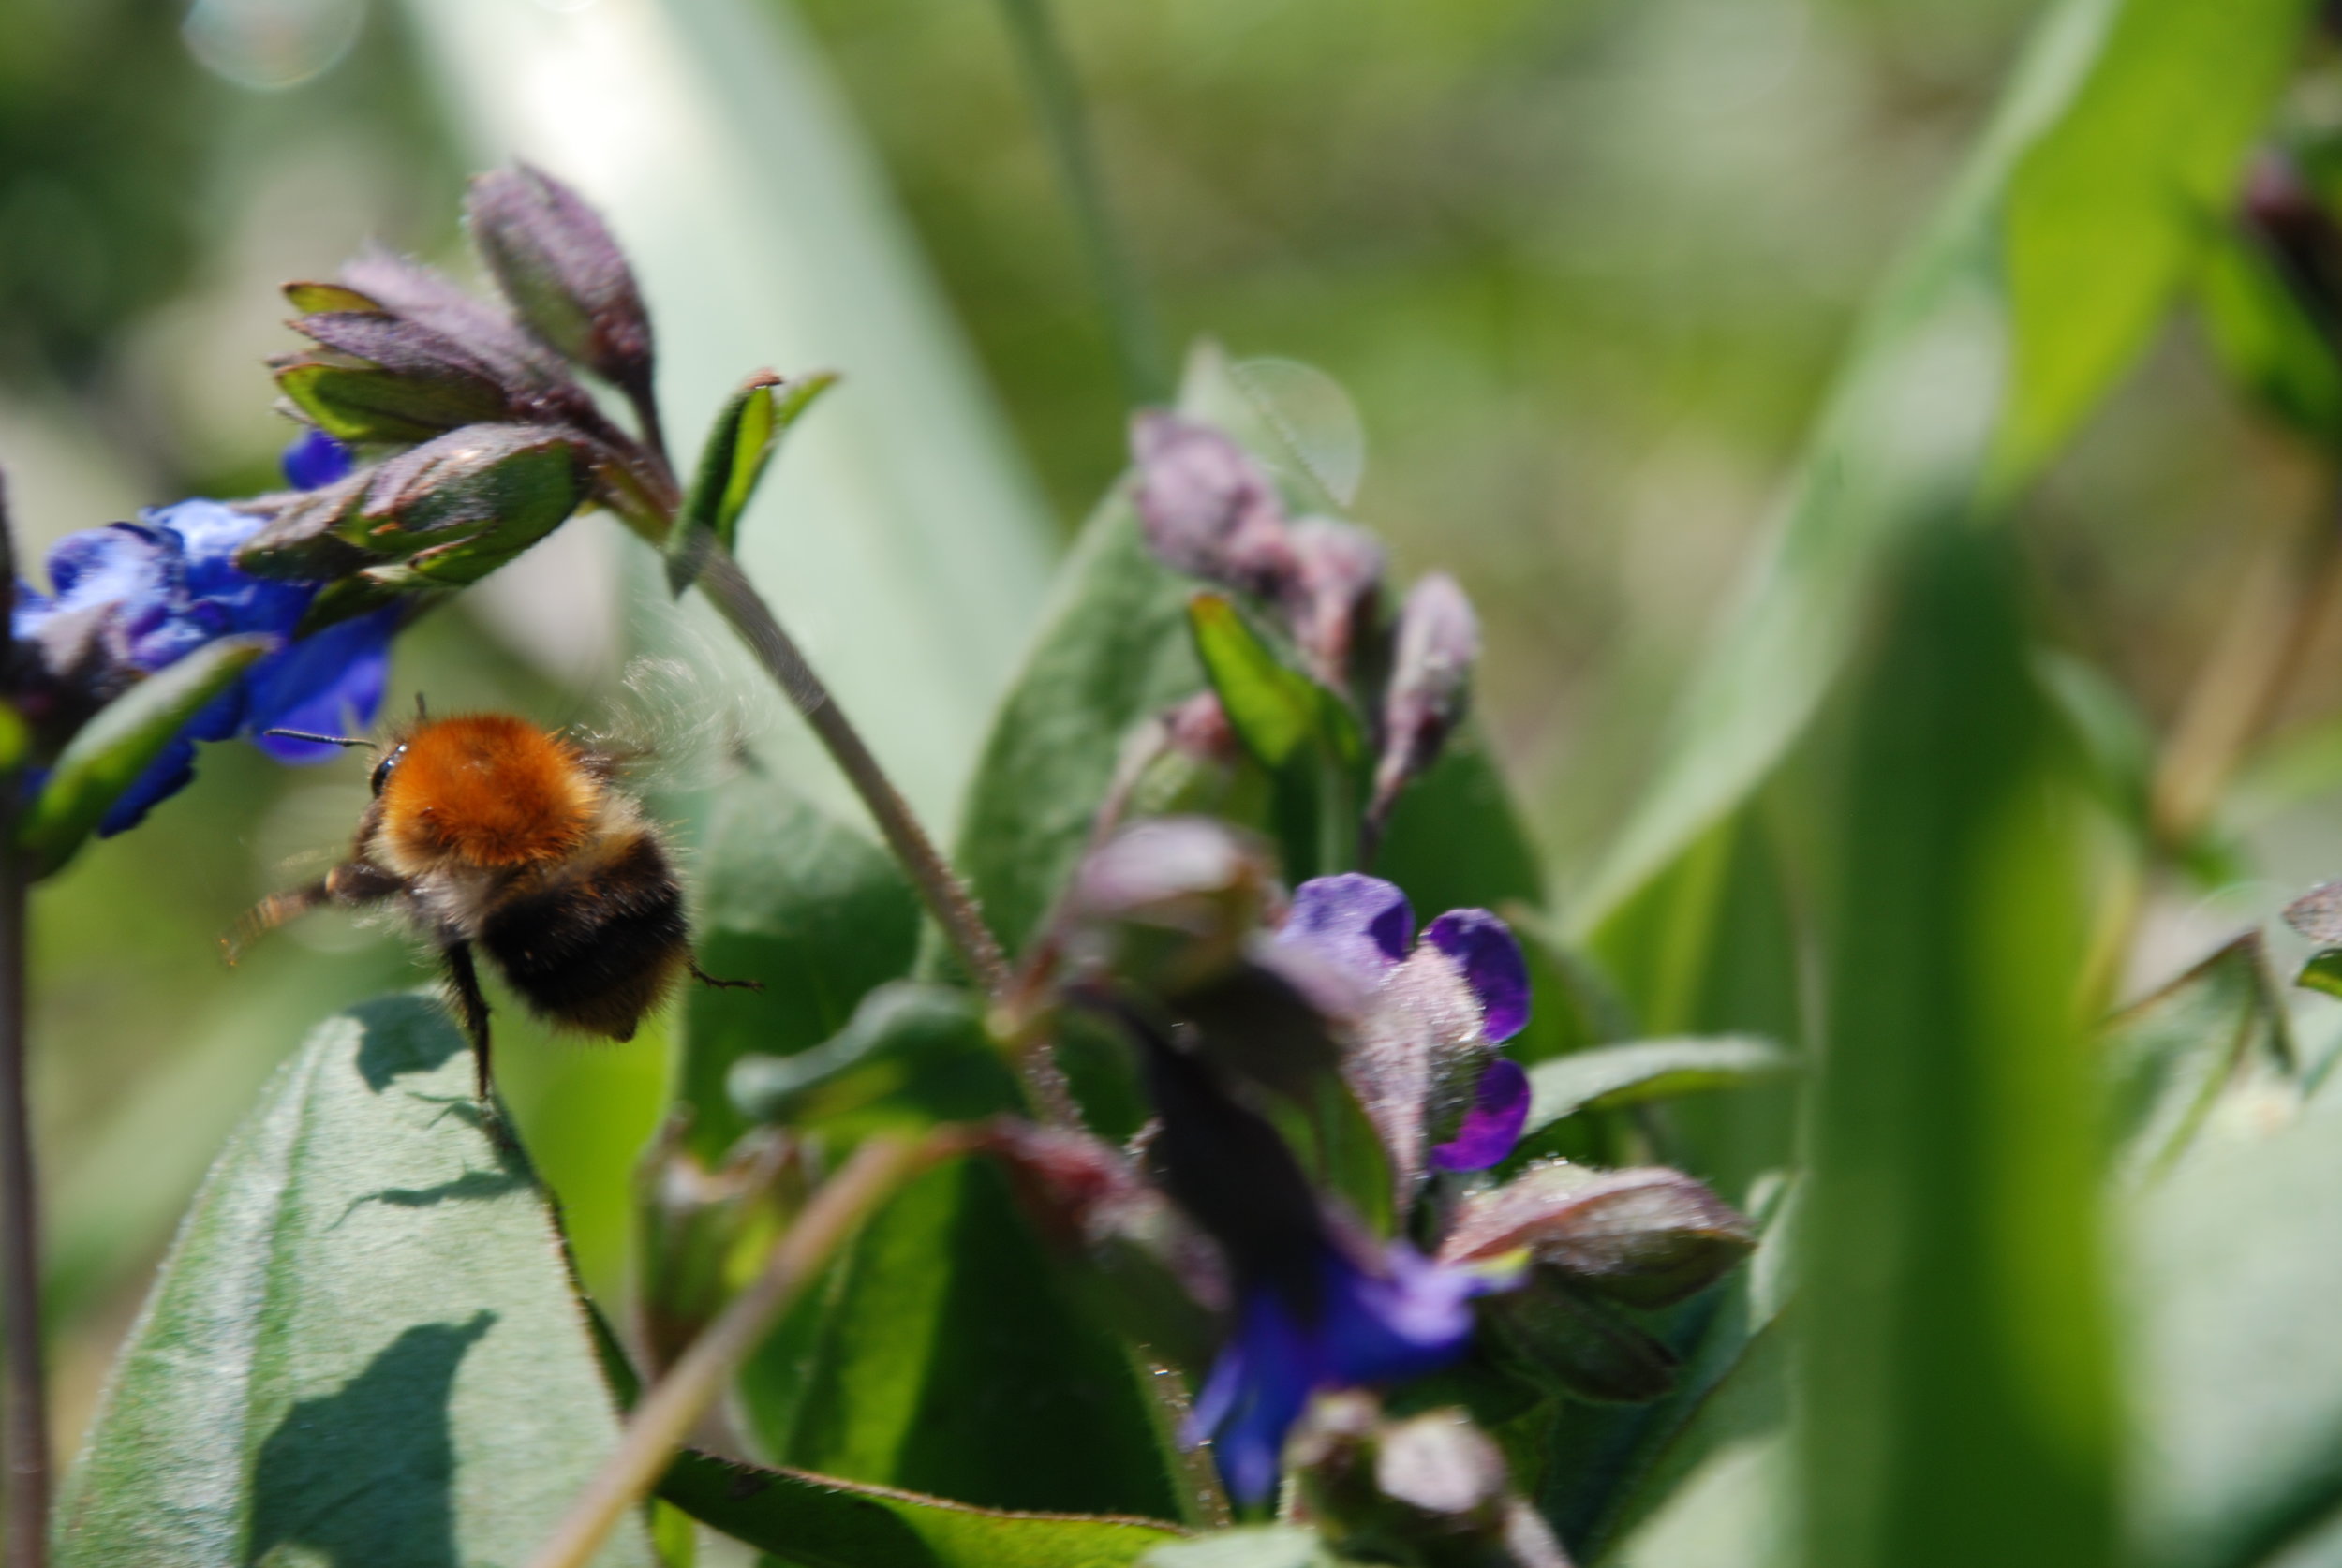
{"x": 668, "y": 1410}
{"x": 946, "y": 897}
{"x": 1057, "y": 97}
{"x": 24, "y": 1427}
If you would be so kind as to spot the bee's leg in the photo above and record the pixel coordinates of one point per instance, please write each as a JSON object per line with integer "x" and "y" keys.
{"x": 473, "y": 1005}
{"x": 268, "y": 914}
{"x": 708, "y": 980}
{"x": 354, "y": 884}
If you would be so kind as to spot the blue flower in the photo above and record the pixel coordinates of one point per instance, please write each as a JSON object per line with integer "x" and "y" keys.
{"x": 1331, "y": 1324}
{"x": 1314, "y": 1308}
{"x": 1426, "y": 1056}
{"x": 315, "y": 459}
{"x": 131, "y": 598}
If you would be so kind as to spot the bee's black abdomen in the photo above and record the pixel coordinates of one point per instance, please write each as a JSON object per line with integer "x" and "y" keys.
{"x": 596, "y": 950}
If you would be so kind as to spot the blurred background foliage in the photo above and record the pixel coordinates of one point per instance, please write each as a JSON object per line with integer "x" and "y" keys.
{"x": 1585, "y": 265}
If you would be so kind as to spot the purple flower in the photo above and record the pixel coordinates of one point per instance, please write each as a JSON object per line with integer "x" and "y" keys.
{"x": 1331, "y": 1324}
{"x": 1426, "y": 1054}
{"x": 134, "y": 597}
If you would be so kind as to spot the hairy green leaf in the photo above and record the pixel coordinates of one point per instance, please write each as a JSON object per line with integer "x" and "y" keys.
{"x": 912, "y": 1053}
{"x": 2234, "y": 1273}
{"x": 948, "y": 1356}
{"x": 1258, "y": 1546}
{"x": 799, "y": 902}
{"x": 364, "y": 1345}
{"x": 818, "y": 1521}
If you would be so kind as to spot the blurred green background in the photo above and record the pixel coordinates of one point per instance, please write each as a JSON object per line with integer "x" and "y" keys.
{"x": 1584, "y": 265}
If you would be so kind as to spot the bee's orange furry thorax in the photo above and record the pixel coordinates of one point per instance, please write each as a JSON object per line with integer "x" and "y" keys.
{"x": 488, "y": 788}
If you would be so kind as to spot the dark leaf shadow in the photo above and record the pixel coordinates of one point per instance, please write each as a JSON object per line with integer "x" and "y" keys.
{"x": 364, "y": 1477}
{"x": 403, "y": 1034}
{"x": 472, "y": 1186}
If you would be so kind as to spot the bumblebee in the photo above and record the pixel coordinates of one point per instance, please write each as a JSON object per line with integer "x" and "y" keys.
{"x": 490, "y": 833}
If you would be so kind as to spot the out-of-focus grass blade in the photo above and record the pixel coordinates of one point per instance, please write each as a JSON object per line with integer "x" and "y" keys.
{"x": 1957, "y": 1390}
{"x": 2045, "y": 269}
{"x": 899, "y": 539}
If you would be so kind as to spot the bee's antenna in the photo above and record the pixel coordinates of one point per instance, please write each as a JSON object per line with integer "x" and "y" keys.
{"x": 421, "y": 712}
{"x": 324, "y": 740}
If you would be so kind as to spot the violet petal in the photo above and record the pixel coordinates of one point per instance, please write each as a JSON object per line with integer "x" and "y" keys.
{"x": 1500, "y": 1108}
{"x": 1359, "y": 923}
{"x": 1484, "y": 948}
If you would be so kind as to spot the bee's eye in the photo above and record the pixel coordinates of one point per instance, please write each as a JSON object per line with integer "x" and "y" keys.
{"x": 382, "y": 769}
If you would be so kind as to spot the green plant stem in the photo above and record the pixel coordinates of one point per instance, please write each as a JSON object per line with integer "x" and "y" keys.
{"x": 24, "y": 1428}
{"x": 668, "y": 1410}
{"x": 2264, "y": 644}
{"x": 946, "y": 897}
{"x": 1057, "y": 97}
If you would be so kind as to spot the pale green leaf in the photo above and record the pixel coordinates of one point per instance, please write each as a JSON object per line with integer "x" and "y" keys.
{"x": 364, "y": 1345}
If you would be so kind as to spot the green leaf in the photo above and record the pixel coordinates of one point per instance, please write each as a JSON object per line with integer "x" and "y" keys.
{"x": 793, "y": 899}
{"x": 1278, "y": 713}
{"x": 1456, "y": 839}
{"x": 1735, "y": 1510}
{"x": 818, "y": 1521}
{"x": 1303, "y": 735}
{"x": 1718, "y": 946}
{"x": 2055, "y": 249}
{"x": 2169, "y": 1055}
{"x": 1112, "y": 650}
{"x": 912, "y": 1055}
{"x": 116, "y": 747}
{"x": 915, "y": 553}
{"x": 2269, "y": 343}
{"x": 2233, "y": 1275}
{"x": 1961, "y": 1409}
{"x": 1609, "y": 1077}
{"x": 359, "y": 402}
{"x": 1609, "y": 1468}
{"x": 1260, "y": 1546}
{"x": 948, "y": 1356}
{"x": 364, "y": 1347}
{"x": 747, "y": 432}
{"x": 2322, "y": 972}
{"x": 2103, "y": 218}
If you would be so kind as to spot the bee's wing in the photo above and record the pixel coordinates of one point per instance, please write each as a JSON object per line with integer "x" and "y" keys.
{"x": 2318, "y": 914}
{"x": 673, "y": 727}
